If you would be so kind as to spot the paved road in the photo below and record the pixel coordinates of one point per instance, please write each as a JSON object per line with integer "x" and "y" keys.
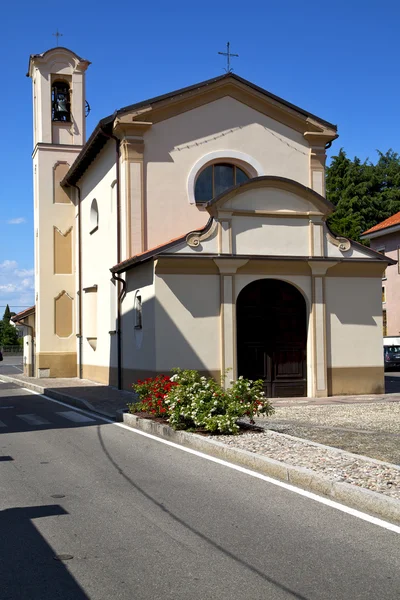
{"x": 11, "y": 365}
{"x": 142, "y": 520}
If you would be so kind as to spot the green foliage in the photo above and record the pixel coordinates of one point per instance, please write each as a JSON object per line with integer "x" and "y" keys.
{"x": 364, "y": 194}
{"x": 192, "y": 401}
{"x": 8, "y": 333}
{"x": 200, "y": 402}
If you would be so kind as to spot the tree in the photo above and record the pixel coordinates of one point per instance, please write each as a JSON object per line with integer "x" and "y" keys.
{"x": 364, "y": 194}
{"x": 8, "y": 333}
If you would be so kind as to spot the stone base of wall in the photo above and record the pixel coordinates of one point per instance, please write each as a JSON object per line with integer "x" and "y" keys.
{"x": 56, "y": 364}
{"x": 345, "y": 381}
{"x": 100, "y": 374}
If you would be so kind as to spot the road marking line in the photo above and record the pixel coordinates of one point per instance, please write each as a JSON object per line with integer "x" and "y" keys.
{"x": 2, "y": 424}
{"x": 33, "y": 420}
{"x": 4, "y": 407}
{"x": 287, "y": 486}
{"x": 75, "y": 416}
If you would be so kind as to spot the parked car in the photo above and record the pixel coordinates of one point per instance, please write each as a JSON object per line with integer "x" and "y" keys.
{"x": 391, "y": 357}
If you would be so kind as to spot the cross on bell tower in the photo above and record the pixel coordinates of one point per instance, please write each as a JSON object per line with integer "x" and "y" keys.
{"x": 228, "y": 55}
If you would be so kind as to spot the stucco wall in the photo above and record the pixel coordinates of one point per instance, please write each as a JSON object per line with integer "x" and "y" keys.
{"x": 187, "y": 322}
{"x": 139, "y": 345}
{"x": 267, "y": 235}
{"x": 354, "y": 335}
{"x": 99, "y": 253}
{"x": 389, "y": 244}
{"x": 175, "y": 145}
{"x": 47, "y": 215}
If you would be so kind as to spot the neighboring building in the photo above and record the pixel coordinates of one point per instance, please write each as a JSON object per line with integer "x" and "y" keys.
{"x": 189, "y": 231}
{"x": 25, "y": 320}
{"x": 385, "y": 238}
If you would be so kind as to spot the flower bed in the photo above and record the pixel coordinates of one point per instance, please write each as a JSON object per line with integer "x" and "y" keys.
{"x": 188, "y": 400}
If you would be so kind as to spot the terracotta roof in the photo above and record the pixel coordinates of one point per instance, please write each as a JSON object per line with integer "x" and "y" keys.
{"x": 390, "y": 222}
{"x": 23, "y": 314}
{"x": 151, "y": 252}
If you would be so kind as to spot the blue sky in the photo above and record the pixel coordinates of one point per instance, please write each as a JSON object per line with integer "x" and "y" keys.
{"x": 339, "y": 60}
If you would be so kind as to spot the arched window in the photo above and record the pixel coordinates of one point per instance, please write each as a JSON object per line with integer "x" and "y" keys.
{"x": 60, "y": 101}
{"x": 217, "y": 178}
{"x": 138, "y": 310}
{"x": 94, "y": 216}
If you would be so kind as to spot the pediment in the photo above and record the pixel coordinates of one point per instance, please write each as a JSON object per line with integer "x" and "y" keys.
{"x": 55, "y": 59}
{"x": 270, "y": 195}
{"x": 170, "y": 105}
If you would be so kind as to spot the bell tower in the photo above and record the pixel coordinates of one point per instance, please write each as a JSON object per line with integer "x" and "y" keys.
{"x": 59, "y": 133}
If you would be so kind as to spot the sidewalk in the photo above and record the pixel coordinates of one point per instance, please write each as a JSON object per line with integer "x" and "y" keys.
{"x": 101, "y": 399}
{"x": 109, "y": 401}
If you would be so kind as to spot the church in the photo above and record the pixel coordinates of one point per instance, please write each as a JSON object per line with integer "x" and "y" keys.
{"x": 190, "y": 231}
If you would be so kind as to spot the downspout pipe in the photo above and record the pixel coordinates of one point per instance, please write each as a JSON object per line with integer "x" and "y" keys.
{"x": 79, "y": 335}
{"x": 31, "y": 374}
{"x": 120, "y": 280}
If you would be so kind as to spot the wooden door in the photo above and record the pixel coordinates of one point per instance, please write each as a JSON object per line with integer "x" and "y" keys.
{"x": 272, "y": 337}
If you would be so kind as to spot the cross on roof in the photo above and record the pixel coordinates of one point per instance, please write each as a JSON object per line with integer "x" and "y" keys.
{"x": 57, "y": 35}
{"x": 228, "y": 55}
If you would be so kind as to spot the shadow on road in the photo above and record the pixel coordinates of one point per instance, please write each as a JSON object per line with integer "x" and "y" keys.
{"x": 196, "y": 532}
{"x": 28, "y": 567}
{"x": 23, "y": 413}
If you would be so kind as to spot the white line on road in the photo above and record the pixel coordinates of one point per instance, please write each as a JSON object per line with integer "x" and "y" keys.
{"x": 2, "y": 424}
{"x": 33, "y": 420}
{"x": 75, "y": 416}
{"x": 287, "y": 486}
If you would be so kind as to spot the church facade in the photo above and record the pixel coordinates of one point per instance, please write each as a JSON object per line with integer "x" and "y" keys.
{"x": 190, "y": 231}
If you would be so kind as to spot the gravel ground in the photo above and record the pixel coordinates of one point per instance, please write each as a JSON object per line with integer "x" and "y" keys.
{"x": 369, "y": 430}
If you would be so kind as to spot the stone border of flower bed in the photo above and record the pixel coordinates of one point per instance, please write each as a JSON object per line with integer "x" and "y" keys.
{"x": 355, "y": 497}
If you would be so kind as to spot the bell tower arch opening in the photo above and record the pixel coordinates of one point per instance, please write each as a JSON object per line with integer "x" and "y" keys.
{"x": 272, "y": 337}
{"x": 60, "y": 101}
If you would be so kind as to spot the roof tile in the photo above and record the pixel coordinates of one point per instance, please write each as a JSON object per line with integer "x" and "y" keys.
{"x": 390, "y": 222}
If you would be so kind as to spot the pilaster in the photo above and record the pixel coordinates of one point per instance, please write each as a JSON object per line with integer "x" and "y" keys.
{"x": 319, "y": 330}
{"x": 132, "y": 151}
{"x": 227, "y": 269}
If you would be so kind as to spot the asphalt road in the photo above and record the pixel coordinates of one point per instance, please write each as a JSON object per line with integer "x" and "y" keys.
{"x": 133, "y": 518}
{"x": 11, "y": 365}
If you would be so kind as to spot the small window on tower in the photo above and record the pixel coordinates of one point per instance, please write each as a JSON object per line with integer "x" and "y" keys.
{"x": 60, "y": 101}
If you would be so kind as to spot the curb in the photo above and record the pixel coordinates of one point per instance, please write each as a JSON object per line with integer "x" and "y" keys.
{"x": 61, "y": 396}
{"x": 350, "y": 495}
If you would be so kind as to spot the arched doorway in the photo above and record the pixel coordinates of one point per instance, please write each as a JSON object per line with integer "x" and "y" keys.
{"x": 272, "y": 337}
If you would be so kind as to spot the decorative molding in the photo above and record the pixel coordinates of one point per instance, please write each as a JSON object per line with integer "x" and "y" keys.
{"x": 92, "y": 341}
{"x": 62, "y": 294}
{"x": 60, "y": 196}
{"x": 62, "y": 251}
{"x": 66, "y": 232}
{"x": 194, "y": 238}
{"x": 231, "y": 265}
{"x": 319, "y": 268}
{"x": 340, "y": 242}
{"x": 63, "y": 315}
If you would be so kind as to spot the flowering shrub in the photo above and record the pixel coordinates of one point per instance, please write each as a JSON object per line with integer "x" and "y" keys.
{"x": 189, "y": 401}
{"x": 152, "y": 393}
{"x": 200, "y": 402}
